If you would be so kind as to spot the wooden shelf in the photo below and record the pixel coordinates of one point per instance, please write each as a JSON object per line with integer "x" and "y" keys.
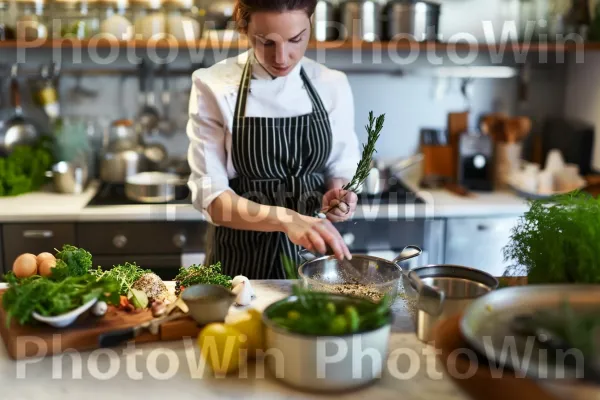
{"x": 334, "y": 45}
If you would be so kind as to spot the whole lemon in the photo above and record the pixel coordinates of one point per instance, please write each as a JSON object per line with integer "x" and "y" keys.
{"x": 220, "y": 346}
{"x": 249, "y": 323}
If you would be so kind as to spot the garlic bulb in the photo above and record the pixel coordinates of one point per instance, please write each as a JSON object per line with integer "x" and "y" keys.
{"x": 237, "y": 289}
{"x": 238, "y": 279}
{"x": 100, "y": 308}
{"x": 249, "y": 286}
{"x": 244, "y": 297}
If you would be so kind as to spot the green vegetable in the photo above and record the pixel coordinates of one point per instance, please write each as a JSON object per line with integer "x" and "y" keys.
{"x": 202, "y": 274}
{"x": 126, "y": 274}
{"x": 24, "y": 169}
{"x": 50, "y": 297}
{"x": 364, "y": 165}
{"x": 289, "y": 267}
{"x": 317, "y": 313}
{"x": 557, "y": 241}
{"x": 71, "y": 261}
{"x": 138, "y": 298}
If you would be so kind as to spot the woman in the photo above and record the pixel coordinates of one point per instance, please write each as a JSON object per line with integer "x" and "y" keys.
{"x": 272, "y": 142}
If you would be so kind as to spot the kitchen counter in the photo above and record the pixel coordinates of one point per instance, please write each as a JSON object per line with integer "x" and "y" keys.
{"x": 162, "y": 371}
{"x": 48, "y": 206}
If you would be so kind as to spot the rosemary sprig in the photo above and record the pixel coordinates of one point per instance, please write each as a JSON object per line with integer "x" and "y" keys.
{"x": 364, "y": 165}
{"x": 289, "y": 266}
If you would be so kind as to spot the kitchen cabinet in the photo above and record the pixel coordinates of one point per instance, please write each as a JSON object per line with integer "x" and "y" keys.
{"x": 34, "y": 238}
{"x": 478, "y": 242}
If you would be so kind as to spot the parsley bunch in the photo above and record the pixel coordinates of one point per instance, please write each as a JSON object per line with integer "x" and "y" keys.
{"x": 71, "y": 261}
{"x": 24, "y": 169}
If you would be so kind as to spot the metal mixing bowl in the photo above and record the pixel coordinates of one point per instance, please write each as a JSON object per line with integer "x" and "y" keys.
{"x": 364, "y": 276}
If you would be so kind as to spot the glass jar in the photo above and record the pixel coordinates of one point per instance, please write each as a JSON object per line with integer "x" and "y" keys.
{"x": 31, "y": 23}
{"x": 7, "y": 30}
{"x": 182, "y": 20}
{"x": 78, "y": 19}
{"x": 114, "y": 19}
{"x": 149, "y": 22}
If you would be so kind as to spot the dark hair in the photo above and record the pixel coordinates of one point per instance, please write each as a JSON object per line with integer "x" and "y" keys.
{"x": 244, "y": 9}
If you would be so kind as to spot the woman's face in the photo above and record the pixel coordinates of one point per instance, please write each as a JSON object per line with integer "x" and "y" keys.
{"x": 279, "y": 39}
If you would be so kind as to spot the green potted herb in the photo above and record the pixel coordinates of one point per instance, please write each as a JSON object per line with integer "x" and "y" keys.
{"x": 557, "y": 241}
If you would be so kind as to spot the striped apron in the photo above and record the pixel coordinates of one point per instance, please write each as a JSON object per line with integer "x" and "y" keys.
{"x": 279, "y": 162}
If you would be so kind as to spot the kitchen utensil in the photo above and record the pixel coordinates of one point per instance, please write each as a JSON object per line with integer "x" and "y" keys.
{"x": 64, "y": 320}
{"x": 122, "y": 136}
{"x": 208, "y": 303}
{"x": 323, "y": 21}
{"x": 361, "y": 20}
{"x": 116, "y": 166}
{"x": 69, "y": 177}
{"x": 419, "y": 19}
{"x": 487, "y": 323}
{"x": 156, "y": 154}
{"x": 369, "y": 276}
{"x": 436, "y": 292}
{"x": 152, "y": 187}
{"x": 165, "y": 126}
{"x": 16, "y": 130}
{"x": 148, "y": 115}
{"x": 305, "y": 365}
{"x": 176, "y": 310}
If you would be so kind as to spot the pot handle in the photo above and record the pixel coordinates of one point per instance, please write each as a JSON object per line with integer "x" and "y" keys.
{"x": 430, "y": 300}
{"x": 407, "y": 253}
{"x": 306, "y": 255}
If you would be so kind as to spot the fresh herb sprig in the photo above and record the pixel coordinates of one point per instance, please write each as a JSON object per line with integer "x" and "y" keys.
{"x": 289, "y": 267}
{"x": 556, "y": 241}
{"x": 126, "y": 274}
{"x": 71, "y": 261}
{"x": 363, "y": 168}
{"x": 202, "y": 274}
{"x": 50, "y": 297}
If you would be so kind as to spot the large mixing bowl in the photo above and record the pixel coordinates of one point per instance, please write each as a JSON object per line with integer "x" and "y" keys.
{"x": 363, "y": 276}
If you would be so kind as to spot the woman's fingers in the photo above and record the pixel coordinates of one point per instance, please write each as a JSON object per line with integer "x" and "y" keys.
{"x": 333, "y": 239}
{"x": 317, "y": 241}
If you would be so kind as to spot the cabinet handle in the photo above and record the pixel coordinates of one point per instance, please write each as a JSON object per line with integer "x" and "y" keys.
{"x": 38, "y": 234}
{"x": 179, "y": 240}
{"x": 120, "y": 241}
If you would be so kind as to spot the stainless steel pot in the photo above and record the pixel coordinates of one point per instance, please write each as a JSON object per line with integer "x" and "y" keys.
{"x": 417, "y": 19}
{"x": 437, "y": 292}
{"x": 361, "y": 20}
{"x": 116, "y": 166}
{"x": 363, "y": 276}
{"x": 69, "y": 178}
{"x": 302, "y": 362}
{"x": 323, "y": 21}
{"x": 153, "y": 187}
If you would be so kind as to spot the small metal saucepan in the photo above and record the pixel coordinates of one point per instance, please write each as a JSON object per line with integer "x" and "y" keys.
{"x": 437, "y": 292}
{"x": 153, "y": 187}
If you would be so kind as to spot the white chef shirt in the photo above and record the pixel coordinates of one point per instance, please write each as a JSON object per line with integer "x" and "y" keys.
{"x": 211, "y": 110}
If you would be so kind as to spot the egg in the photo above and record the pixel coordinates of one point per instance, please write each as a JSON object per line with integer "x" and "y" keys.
{"x": 44, "y": 256}
{"x": 25, "y": 265}
{"x": 45, "y": 268}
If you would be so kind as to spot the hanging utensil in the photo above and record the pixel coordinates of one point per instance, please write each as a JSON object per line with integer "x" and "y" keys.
{"x": 16, "y": 130}
{"x": 148, "y": 115}
{"x": 165, "y": 126}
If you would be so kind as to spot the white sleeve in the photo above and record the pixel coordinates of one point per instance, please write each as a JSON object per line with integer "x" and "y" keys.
{"x": 345, "y": 152}
{"x": 207, "y": 153}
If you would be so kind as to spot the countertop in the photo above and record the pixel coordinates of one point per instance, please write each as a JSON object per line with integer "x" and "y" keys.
{"x": 46, "y": 206}
{"x": 164, "y": 371}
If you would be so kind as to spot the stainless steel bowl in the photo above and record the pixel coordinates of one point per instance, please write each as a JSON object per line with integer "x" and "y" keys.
{"x": 207, "y": 303}
{"x": 310, "y": 362}
{"x": 443, "y": 291}
{"x": 363, "y": 276}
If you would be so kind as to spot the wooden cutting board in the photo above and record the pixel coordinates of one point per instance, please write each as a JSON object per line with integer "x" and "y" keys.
{"x": 42, "y": 340}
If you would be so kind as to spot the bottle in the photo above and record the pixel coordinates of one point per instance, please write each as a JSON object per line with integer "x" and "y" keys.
{"x": 7, "y": 32}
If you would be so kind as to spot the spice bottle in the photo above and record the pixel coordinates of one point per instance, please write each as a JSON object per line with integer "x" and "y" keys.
{"x": 182, "y": 21}
{"x": 77, "y": 19}
{"x": 7, "y": 31}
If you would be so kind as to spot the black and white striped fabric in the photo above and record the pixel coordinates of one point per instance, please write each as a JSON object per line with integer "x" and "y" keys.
{"x": 279, "y": 162}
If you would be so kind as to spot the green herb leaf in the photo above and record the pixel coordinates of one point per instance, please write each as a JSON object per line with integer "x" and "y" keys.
{"x": 202, "y": 274}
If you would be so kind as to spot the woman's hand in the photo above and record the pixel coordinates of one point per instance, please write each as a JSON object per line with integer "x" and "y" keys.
{"x": 316, "y": 235}
{"x": 339, "y": 204}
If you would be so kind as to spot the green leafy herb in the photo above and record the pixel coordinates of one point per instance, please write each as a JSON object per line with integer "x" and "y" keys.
{"x": 71, "y": 261}
{"x": 50, "y": 297}
{"x": 364, "y": 165}
{"x": 557, "y": 241}
{"x": 289, "y": 267}
{"x": 126, "y": 274}
{"x": 202, "y": 274}
{"x": 24, "y": 169}
{"x": 317, "y": 313}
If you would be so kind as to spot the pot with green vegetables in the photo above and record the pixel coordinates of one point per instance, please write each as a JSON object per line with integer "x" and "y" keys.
{"x": 315, "y": 341}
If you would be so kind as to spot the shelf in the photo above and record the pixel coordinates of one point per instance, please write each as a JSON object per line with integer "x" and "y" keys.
{"x": 241, "y": 44}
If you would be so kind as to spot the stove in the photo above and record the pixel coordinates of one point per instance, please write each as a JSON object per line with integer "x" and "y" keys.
{"x": 114, "y": 195}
